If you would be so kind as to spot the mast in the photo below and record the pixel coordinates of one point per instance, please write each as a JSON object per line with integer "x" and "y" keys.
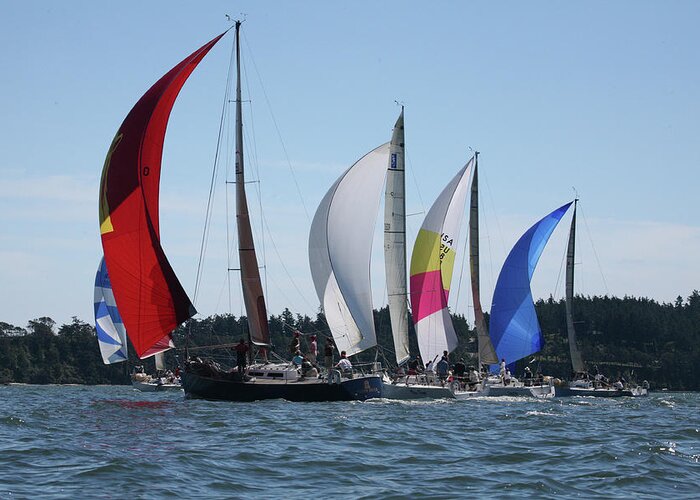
{"x": 487, "y": 354}
{"x": 576, "y": 360}
{"x": 395, "y": 242}
{"x": 250, "y": 273}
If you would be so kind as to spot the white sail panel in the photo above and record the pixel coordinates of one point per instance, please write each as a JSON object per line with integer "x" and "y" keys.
{"x": 340, "y": 246}
{"x": 395, "y": 242}
{"x": 432, "y": 264}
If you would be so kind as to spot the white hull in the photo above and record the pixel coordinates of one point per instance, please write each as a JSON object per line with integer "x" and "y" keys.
{"x": 479, "y": 391}
{"x": 598, "y": 390}
{"x": 155, "y": 387}
{"x": 415, "y": 391}
{"x": 517, "y": 388}
{"x": 415, "y": 387}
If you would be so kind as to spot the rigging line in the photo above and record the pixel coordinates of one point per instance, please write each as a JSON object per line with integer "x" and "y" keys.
{"x": 212, "y": 185}
{"x": 562, "y": 266}
{"x": 277, "y": 129}
{"x": 227, "y": 281}
{"x": 274, "y": 247}
{"x": 489, "y": 239}
{"x": 595, "y": 253}
{"x": 415, "y": 181}
{"x": 461, "y": 270}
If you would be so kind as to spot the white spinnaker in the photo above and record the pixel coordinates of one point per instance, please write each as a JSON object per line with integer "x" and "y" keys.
{"x": 340, "y": 246}
{"x": 441, "y": 227}
{"x": 395, "y": 242}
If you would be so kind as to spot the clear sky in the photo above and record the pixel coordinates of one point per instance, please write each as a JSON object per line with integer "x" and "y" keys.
{"x": 601, "y": 96}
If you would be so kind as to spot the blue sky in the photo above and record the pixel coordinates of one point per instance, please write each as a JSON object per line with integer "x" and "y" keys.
{"x": 603, "y": 96}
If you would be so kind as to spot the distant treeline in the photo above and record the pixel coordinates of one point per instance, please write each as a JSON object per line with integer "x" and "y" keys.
{"x": 637, "y": 338}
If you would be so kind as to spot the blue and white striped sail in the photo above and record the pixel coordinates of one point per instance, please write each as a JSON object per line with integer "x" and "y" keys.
{"x": 514, "y": 328}
{"x": 111, "y": 333}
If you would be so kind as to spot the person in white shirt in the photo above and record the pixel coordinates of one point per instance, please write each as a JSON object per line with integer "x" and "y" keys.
{"x": 344, "y": 365}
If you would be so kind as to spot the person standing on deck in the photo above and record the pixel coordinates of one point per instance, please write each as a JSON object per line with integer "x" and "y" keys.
{"x": 294, "y": 346}
{"x": 313, "y": 350}
{"x": 442, "y": 369}
{"x": 328, "y": 354}
{"x": 241, "y": 356}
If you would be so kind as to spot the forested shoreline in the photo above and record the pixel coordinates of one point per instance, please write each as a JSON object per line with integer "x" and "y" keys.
{"x": 637, "y": 338}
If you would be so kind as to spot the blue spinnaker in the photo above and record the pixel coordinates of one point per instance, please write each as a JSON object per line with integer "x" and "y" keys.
{"x": 111, "y": 334}
{"x": 514, "y": 328}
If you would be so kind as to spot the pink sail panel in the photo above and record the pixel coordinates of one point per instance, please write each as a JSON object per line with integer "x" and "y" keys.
{"x": 149, "y": 296}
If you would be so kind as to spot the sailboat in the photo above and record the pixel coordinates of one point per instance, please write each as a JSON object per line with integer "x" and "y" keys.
{"x": 151, "y": 300}
{"x": 583, "y": 383}
{"x": 407, "y": 386}
{"x": 432, "y": 265}
{"x": 514, "y": 327}
{"x": 112, "y": 338}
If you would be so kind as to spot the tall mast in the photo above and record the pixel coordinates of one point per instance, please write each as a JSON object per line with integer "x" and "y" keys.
{"x": 576, "y": 360}
{"x": 395, "y": 242}
{"x": 250, "y": 273}
{"x": 487, "y": 353}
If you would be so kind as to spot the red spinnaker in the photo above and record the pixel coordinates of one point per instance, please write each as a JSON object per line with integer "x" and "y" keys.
{"x": 150, "y": 298}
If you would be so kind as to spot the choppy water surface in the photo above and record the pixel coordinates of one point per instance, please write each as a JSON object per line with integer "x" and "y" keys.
{"x": 114, "y": 442}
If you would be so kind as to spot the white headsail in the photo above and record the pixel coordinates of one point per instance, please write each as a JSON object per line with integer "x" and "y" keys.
{"x": 395, "y": 242}
{"x": 340, "y": 245}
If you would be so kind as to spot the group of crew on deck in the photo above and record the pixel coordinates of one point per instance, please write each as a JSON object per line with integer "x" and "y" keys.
{"x": 306, "y": 363}
{"x": 468, "y": 377}
{"x": 441, "y": 372}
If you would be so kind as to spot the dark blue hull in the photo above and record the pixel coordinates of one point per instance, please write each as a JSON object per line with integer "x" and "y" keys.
{"x": 356, "y": 389}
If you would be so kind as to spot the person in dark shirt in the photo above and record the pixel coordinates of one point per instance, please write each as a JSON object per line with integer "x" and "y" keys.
{"x": 241, "y": 356}
{"x": 328, "y": 354}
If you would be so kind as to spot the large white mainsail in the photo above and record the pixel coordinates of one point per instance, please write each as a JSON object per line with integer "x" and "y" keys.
{"x": 487, "y": 354}
{"x": 576, "y": 360}
{"x": 395, "y": 242}
{"x": 340, "y": 245}
{"x": 432, "y": 264}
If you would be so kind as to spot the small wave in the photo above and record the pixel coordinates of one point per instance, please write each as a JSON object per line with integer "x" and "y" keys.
{"x": 541, "y": 413}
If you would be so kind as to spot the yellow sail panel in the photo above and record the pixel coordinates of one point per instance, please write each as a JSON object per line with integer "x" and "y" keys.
{"x": 426, "y": 253}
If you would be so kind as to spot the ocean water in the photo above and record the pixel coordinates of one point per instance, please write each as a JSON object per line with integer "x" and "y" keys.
{"x": 115, "y": 442}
